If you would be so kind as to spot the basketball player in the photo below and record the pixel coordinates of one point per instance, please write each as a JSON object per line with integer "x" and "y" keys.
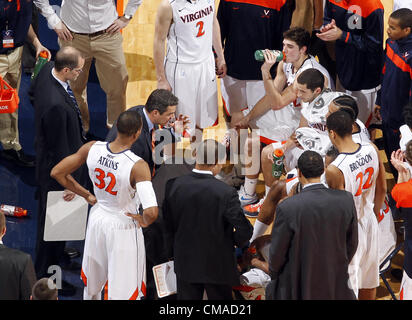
{"x": 188, "y": 70}
{"x": 359, "y": 170}
{"x": 114, "y": 247}
{"x": 316, "y": 98}
{"x": 278, "y": 125}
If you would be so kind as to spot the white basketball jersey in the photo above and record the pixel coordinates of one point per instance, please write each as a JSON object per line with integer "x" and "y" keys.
{"x": 360, "y": 170}
{"x": 190, "y": 34}
{"x": 362, "y": 136}
{"x": 110, "y": 174}
{"x": 315, "y": 112}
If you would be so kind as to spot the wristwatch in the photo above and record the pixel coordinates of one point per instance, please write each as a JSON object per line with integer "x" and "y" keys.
{"x": 128, "y": 16}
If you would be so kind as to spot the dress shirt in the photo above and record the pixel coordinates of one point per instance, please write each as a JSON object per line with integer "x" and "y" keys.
{"x": 149, "y": 122}
{"x": 64, "y": 84}
{"x": 311, "y": 184}
{"x": 85, "y": 16}
{"x": 203, "y": 171}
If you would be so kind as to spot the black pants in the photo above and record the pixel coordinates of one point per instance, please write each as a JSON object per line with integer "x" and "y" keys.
{"x": 194, "y": 291}
{"x": 391, "y": 138}
{"x": 48, "y": 253}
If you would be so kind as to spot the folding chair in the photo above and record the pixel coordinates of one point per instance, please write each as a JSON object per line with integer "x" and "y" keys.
{"x": 386, "y": 265}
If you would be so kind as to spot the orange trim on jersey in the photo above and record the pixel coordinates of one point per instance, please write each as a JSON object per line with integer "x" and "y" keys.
{"x": 401, "y": 295}
{"x": 216, "y": 122}
{"x": 143, "y": 288}
{"x": 269, "y": 141}
{"x": 402, "y": 194}
{"x": 272, "y": 4}
{"x": 225, "y": 108}
{"x": 368, "y": 122}
{"x": 347, "y": 37}
{"x": 106, "y": 291}
{"x": 135, "y": 294}
{"x": 397, "y": 61}
{"x": 84, "y": 278}
{"x": 367, "y": 6}
{"x": 290, "y": 179}
{"x": 243, "y": 288}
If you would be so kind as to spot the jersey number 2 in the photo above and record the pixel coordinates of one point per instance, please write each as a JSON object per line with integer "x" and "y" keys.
{"x": 367, "y": 184}
{"x": 101, "y": 185}
{"x": 200, "y": 31}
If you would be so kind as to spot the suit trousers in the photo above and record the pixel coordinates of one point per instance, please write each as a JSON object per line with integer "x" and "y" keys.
{"x": 48, "y": 253}
{"x": 10, "y": 71}
{"x": 194, "y": 291}
{"x": 111, "y": 70}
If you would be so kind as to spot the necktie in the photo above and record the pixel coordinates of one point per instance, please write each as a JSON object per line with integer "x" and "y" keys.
{"x": 71, "y": 94}
{"x": 152, "y": 133}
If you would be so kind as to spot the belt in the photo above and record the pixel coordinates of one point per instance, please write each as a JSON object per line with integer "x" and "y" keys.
{"x": 95, "y": 34}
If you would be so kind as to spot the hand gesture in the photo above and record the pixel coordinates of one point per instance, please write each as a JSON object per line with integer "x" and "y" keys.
{"x": 181, "y": 124}
{"x": 62, "y": 32}
{"x": 221, "y": 68}
{"x": 164, "y": 84}
{"x": 117, "y": 25}
{"x": 330, "y": 32}
{"x": 270, "y": 60}
{"x": 68, "y": 195}
{"x": 397, "y": 160}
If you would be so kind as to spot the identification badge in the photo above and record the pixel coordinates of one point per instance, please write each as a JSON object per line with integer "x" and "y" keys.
{"x": 8, "y": 39}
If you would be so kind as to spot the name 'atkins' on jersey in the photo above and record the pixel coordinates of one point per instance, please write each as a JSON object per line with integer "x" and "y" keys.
{"x": 107, "y": 162}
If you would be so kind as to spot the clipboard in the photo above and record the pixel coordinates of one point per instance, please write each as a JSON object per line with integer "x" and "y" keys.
{"x": 165, "y": 279}
{"x": 65, "y": 220}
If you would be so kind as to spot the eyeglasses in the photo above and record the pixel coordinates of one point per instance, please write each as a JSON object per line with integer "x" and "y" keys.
{"x": 78, "y": 70}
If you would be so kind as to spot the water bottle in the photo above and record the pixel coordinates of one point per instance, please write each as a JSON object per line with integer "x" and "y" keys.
{"x": 277, "y": 167}
{"x": 260, "y": 57}
{"x": 13, "y": 211}
{"x": 41, "y": 61}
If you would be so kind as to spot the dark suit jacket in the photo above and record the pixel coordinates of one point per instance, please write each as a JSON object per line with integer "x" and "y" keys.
{"x": 143, "y": 145}
{"x": 58, "y": 128}
{"x": 314, "y": 237}
{"x": 204, "y": 222}
{"x": 17, "y": 275}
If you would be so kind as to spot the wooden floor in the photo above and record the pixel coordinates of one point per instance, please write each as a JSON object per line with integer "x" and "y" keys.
{"x": 138, "y": 48}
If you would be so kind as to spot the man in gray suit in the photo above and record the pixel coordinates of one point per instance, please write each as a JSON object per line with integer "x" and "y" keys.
{"x": 314, "y": 238}
{"x": 17, "y": 274}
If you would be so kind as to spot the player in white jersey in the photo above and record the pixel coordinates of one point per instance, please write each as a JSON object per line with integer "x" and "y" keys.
{"x": 359, "y": 170}
{"x": 114, "y": 249}
{"x": 276, "y": 115}
{"x": 310, "y": 84}
{"x": 192, "y": 30}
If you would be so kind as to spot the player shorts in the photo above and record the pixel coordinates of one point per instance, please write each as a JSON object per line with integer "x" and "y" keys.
{"x": 242, "y": 95}
{"x": 291, "y": 180}
{"x": 364, "y": 267}
{"x": 196, "y": 88}
{"x": 114, "y": 251}
{"x": 366, "y": 102}
{"x": 238, "y": 95}
{"x": 406, "y": 287}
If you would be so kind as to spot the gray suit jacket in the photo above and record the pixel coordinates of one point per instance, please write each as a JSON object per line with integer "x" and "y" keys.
{"x": 314, "y": 237}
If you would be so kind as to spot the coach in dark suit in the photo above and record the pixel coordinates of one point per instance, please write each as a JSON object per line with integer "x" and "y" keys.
{"x": 204, "y": 223}
{"x": 58, "y": 135}
{"x": 17, "y": 275}
{"x": 314, "y": 237}
{"x": 160, "y": 107}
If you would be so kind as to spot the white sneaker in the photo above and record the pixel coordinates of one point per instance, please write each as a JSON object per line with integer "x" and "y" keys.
{"x": 245, "y": 198}
{"x": 230, "y": 178}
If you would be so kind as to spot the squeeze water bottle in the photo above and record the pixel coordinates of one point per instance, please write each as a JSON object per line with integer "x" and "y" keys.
{"x": 260, "y": 57}
{"x": 277, "y": 167}
{"x": 41, "y": 61}
{"x": 13, "y": 211}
